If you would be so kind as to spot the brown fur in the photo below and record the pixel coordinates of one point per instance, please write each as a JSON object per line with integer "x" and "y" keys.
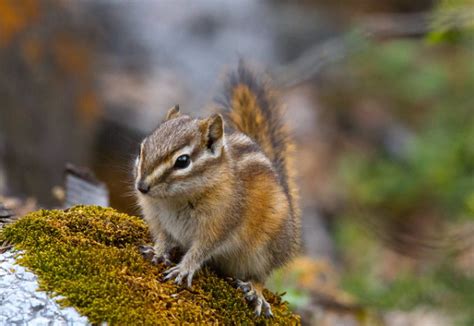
{"x": 251, "y": 106}
{"x": 234, "y": 205}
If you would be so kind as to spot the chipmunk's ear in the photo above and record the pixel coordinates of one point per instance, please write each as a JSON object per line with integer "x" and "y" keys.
{"x": 173, "y": 113}
{"x": 215, "y": 133}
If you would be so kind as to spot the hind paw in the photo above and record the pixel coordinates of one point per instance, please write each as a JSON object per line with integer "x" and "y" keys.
{"x": 253, "y": 294}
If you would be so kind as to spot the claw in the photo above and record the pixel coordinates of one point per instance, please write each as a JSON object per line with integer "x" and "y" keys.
{"x": 172, "y": 269}
{"x": 262, "y": 305}
{"x": 171, "y": 274}
{"x": 253, "y": 294}
{"x": 179, "y": 273}
{"x": 190, "y": 279}
{"x": 148, "y": 252}
{"x": 258, "y": 306}
{"x": 179, "y": 279}
{"x": 267, "y": 309}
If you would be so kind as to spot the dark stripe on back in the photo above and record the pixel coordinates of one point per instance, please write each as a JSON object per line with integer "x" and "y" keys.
{"x": 239, "y": 150}
{"x": 268, "y": 107}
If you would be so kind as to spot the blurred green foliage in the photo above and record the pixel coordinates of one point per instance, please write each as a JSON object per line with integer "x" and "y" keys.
{"x": 452, "y": 21}
{"x": 285, "y": 283}
{"x": 424, "y": 88}
{"x": 438, "y": 286}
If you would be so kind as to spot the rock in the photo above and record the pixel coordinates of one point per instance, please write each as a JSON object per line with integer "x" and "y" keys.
{"x": 22, "y": 304}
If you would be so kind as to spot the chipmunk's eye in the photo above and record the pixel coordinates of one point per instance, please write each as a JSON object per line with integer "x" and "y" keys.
{"x": 182, "y": 162}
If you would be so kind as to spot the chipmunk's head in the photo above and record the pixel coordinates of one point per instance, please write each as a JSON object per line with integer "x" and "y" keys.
{"x": 181, "y": 157}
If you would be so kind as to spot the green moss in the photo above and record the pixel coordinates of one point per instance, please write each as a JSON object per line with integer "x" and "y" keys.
{"x": 89, "y": 255}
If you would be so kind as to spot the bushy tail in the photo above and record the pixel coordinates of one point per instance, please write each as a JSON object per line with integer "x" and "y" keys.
{"x": 250, "y": 106}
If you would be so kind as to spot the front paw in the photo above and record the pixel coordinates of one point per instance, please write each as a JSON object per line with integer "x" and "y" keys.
{"x": 149, "y": 253}
{"x": 181, "y": 271}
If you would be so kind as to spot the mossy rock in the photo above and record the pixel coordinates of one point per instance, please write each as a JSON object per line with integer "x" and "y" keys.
{"x": 89, "y": 255}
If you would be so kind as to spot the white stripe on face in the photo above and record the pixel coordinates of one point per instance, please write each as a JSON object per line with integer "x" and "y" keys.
{"x": 157, "y": 172}
{"x": 139, "y": 161}
{"x": 161, "y": 168}
{"x": 137, "y": 167}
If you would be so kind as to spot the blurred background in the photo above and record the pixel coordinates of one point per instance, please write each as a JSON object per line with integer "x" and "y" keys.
{"x": 379, "y": 95}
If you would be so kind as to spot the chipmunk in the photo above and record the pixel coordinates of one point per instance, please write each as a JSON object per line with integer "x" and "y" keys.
{"x": 221, "y": 188}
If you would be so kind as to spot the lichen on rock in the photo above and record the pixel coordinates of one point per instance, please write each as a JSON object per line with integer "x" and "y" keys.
{"x": 89, "y": 255}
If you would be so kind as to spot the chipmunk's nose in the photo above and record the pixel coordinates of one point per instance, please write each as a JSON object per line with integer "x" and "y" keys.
{"x": 143, "y": 187}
